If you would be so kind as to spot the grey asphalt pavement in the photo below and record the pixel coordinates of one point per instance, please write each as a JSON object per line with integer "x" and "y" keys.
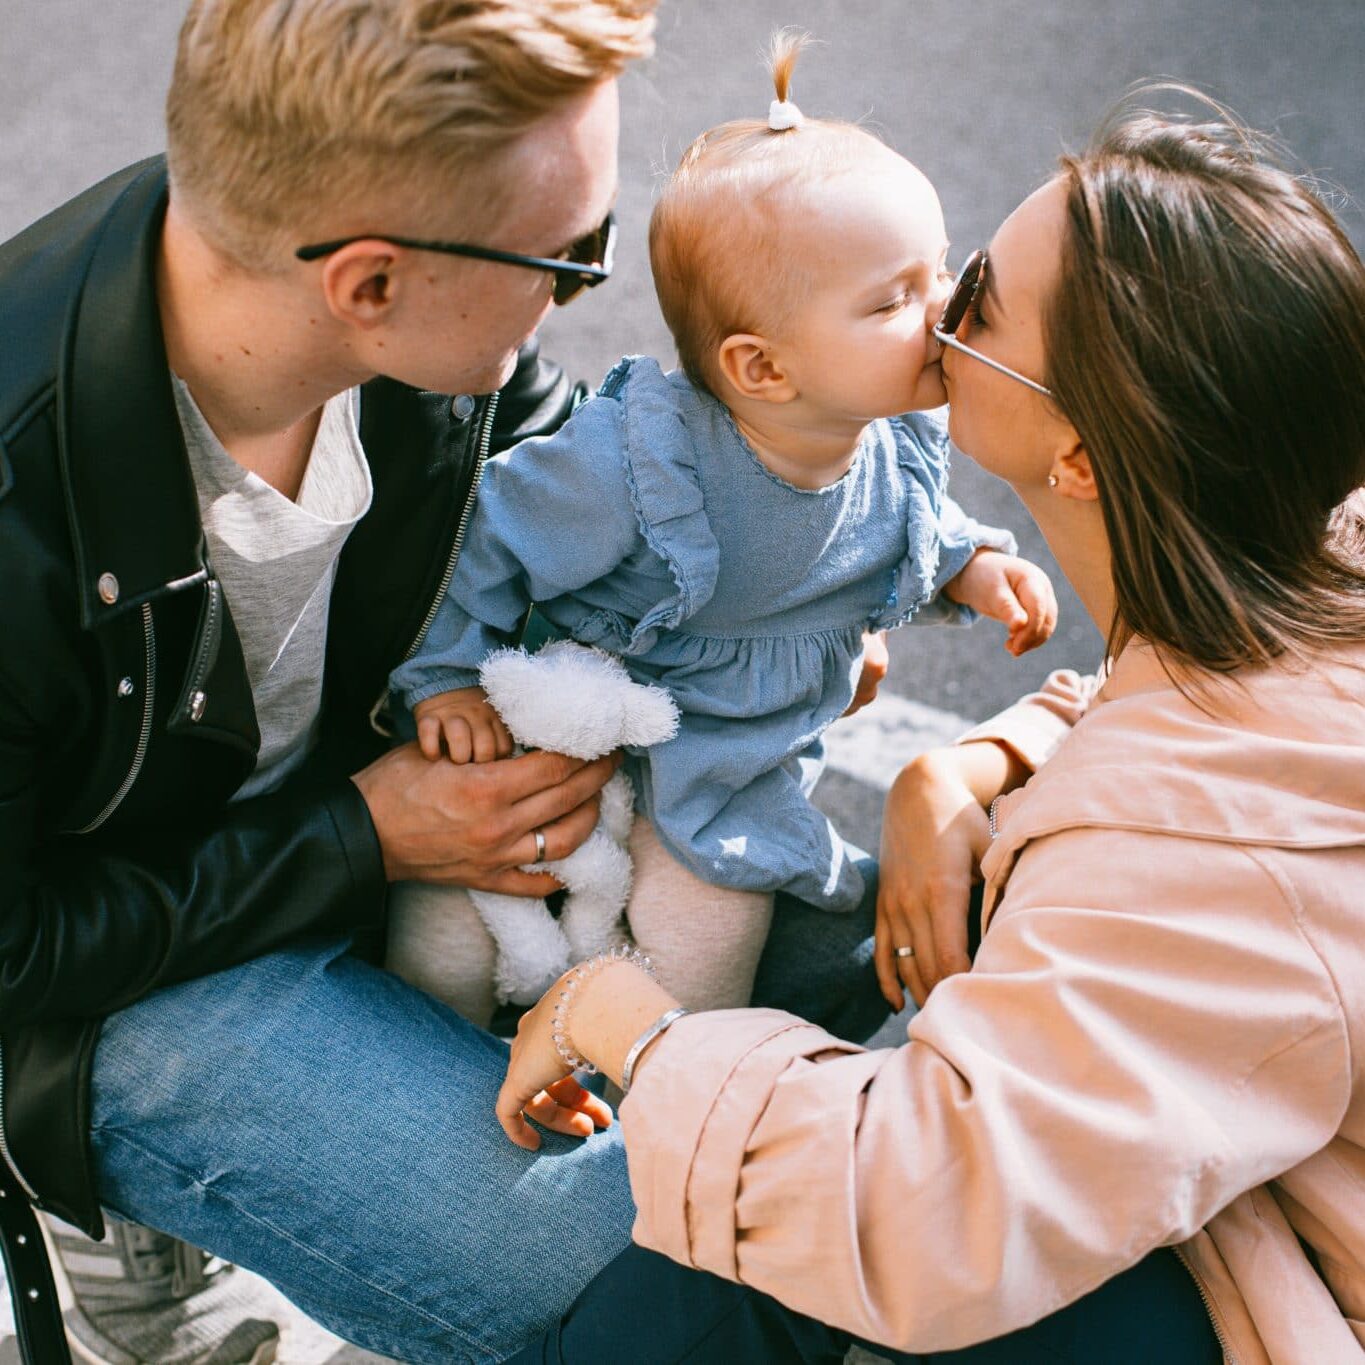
{"x": 982, "y": 94}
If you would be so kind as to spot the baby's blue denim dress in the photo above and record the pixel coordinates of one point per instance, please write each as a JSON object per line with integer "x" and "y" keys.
{"x": 647, "y": 526}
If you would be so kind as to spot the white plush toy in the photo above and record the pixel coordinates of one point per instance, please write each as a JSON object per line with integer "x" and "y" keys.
{"x": 567, "y": 699}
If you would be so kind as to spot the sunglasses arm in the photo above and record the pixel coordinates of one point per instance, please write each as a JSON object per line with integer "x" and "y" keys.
{"x": 949, "y": 340}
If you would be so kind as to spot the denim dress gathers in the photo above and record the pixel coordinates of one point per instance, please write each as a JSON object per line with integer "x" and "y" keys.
{"x": 647, "y": 526}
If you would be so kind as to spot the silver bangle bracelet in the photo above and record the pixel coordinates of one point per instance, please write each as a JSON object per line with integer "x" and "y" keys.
{"x": 559, "y": 1028}
{"x": 666, "y": 1019}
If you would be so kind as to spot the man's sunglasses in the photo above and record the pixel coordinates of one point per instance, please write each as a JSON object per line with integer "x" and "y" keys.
{"x": 971, "y": 280}
{"x": 584, "y": 265}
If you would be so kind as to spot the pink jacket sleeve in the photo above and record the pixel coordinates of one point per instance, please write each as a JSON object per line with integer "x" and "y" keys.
{"x": 1036, "y": 724}
{"x": 1057, "y": 1112}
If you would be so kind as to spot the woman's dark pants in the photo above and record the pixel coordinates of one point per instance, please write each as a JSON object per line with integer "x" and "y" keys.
{"x": 644, "y": 1309}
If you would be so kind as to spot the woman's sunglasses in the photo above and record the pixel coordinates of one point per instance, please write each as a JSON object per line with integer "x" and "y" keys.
{"x": 971, "y": 280}
{"x": 584, "y": 265}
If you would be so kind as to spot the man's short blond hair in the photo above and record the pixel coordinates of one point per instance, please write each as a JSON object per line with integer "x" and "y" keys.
{"x": 716, "y": 237}
{"x": 281, "y": 111}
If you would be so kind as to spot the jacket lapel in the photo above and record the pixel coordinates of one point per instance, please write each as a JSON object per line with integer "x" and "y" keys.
{"x": 130, "y": 498}
{"x": 131, "y": 501}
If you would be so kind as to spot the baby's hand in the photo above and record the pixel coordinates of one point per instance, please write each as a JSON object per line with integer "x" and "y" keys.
{"x": 1011, "y": 590}
{"x": 463, "y": 724}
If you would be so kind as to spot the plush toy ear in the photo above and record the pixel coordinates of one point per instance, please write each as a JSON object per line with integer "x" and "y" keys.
{"x": 564, "y": 699}
{"x": 574, "y": 700}
{"x": 651, "y": 716}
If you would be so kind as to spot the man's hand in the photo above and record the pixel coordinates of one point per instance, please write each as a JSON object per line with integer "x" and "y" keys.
{"x": 876, "y": 661}
{"x": 463, "y": 725}
{"x": 474, "y": 825}
{"x": 1008, "y": 589}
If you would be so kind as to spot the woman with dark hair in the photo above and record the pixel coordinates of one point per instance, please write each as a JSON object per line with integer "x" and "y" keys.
{"x": 1133, "y": 1128}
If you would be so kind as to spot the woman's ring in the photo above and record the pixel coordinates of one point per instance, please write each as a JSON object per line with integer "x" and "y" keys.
{"x": 540, "y": 846}
{"x": 905, "y": 952}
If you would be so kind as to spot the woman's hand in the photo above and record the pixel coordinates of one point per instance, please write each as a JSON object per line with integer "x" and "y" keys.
{"x": 539, "y": 1086}
{"x": 934, "y": 835}
{"x": 613, "y": 1004}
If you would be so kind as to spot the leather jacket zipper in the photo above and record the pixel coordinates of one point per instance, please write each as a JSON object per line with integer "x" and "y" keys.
{"x": 485, "y": 441}
{"x": 4, "y": 1144}
{"x": 192, "y": 702}
{"x": 1214, "y": 1321}
{"x": 378, "y": 721}
{"x": 144, "y": 734}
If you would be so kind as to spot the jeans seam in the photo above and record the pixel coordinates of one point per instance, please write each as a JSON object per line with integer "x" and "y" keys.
{"x": 112, "y": 1135}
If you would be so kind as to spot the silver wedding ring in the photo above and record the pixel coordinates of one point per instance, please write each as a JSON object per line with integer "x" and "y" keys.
{"x": 905, "y": 952}
{"x": 540, "y": 846}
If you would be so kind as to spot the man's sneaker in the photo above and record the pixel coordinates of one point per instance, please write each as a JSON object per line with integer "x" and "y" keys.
{"x": 143, "y": 1298}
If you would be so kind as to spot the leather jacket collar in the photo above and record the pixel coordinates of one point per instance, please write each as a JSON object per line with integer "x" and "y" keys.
{"x": 133, "y": 512}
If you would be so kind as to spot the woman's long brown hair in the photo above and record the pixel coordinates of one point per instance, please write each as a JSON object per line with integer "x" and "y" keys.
{"x": 1207, "y": 341}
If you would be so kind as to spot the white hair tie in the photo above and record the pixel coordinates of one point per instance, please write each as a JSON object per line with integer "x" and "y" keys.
{"x": 783, "y": 114}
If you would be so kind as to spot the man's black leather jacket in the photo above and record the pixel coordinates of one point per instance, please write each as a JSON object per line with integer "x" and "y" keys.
{"x": 126, "y": 719}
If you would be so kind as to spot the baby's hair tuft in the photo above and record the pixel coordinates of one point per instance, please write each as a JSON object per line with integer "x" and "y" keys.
{"x": 786, "y": 46}
{"x": 719, "y": 234}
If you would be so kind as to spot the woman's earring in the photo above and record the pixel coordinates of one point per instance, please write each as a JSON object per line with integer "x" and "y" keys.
{"x": 1052, "y": 481}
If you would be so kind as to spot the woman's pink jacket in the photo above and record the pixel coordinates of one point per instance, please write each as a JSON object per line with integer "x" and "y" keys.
{"x": 1160, "y": 1043}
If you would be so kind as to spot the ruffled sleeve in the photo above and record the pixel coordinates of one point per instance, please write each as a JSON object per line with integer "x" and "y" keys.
{"x": 551, "y": 516}
{"x": 942, "y": 537}
{"x": 665, "y": 490}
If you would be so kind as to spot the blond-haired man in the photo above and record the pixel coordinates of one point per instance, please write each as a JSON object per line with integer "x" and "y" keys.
{"x": 239, "y": 425}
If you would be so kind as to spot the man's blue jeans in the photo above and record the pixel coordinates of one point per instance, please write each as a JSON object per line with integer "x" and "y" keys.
{"x": 319, "y": 1121}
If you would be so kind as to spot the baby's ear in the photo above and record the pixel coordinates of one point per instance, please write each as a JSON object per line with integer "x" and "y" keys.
{"x": 751, "y": 368}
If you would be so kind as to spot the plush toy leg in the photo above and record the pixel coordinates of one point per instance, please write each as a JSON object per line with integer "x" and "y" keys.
{"x": 597, "y": 877}
{"x": 618, "y": 808}
{"x": 705, "y": 940}
{"x": 532, "y": 949}
{"x": 438, "y": 943}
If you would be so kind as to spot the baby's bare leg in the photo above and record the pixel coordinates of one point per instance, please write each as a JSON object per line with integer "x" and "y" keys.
{"x": 705, "y": 940}
{"x": 438, "y": 943}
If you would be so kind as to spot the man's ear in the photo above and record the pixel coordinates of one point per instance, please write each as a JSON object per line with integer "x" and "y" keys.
{"x": 1074, "y": 474}
{"x": 751, "y": 366}
{"x": 359, "y": 283}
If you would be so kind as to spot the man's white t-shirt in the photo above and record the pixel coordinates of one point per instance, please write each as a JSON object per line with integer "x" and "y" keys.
{"x": 276, "y": 560}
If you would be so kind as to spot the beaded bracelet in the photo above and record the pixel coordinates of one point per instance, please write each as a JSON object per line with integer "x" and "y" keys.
{"x": 559, "y": 1027}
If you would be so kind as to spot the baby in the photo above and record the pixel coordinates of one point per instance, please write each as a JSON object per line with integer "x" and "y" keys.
{"x": 733, "y": 528}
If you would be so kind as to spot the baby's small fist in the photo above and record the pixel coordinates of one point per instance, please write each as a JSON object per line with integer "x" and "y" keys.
{"x": 463, "y": 725}
{"x": 1036, "y": 602}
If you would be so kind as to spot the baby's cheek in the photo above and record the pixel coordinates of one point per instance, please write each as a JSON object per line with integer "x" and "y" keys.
{"x": 932, "y": 387}
{"x": 928, "y": 378}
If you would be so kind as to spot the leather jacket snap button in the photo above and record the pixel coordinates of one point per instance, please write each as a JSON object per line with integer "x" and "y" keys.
{"x": 462, "y": 407}
{"x": 125, "y": 688}
{"x": 108, "y": 589}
